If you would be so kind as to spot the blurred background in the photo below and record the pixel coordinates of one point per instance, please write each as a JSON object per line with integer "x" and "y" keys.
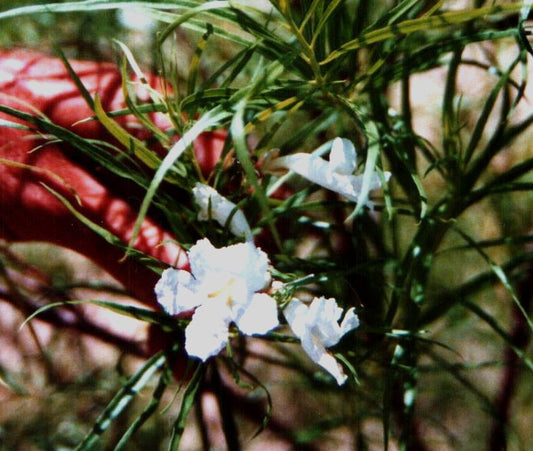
{"x": 54, "y": 381}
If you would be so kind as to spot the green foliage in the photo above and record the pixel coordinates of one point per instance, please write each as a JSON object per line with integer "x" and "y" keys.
{"x": 419, "y": 269}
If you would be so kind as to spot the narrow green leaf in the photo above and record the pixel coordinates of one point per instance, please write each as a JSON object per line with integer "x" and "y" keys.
{"x": 196, "y": 58}
{"x": 148, "y": 411}
{"x": 238, "y": 134}
{"x": 147, "y": 156}
{"x": 190, "y": 14}
{"x": 212, "y": 118}
{"x": 89, "y": 147}
{"x": 370, "y": 166}
{"x": 17, "y": 125}
{"x": 122, "y": 399}
{"x": 74, "y": 76}
{"x": 486, "y": 111}
{"x": 134, "y": 109}
{"x": 332, "y": 6}
{"x": 493, "y": 323}
{"x": 89, "y": 6}
{"x": 142, "y": 314}
{"x": 406, "y": 27}
{"x": 189, "y": 398}
{"x": 101, "y": 231}
{"x": 45, "y": 308}
{"x": 499, "y": 272}
{"x": 309, "y": 14}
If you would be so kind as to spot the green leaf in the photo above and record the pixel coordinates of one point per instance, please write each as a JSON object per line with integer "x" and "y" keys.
{"x": 370, "y": 166}
{"x": 164, "y": 380}
{"x": 238, "y": 134}
{"x": 487, "y": 109}
{"x": 93, "y": 149}
{"x": 499, "y": 273}
{"x": 131, "y": 311}
{"x": 493, "y": 323}
{"x": 147, "y": 156}
{"x": 195, "y": 61}
{"x": 101, "y": 231}
{"x": 425, "y": 23}
{"x": 74, "y": 76}
{"x": 122, "y": 399}
{"x": 212, "y": 118}
{"x": 189, "y": 398}
{"x": 190, "y": 14}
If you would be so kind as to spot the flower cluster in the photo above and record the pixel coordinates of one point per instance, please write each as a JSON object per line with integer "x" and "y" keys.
{"x": 227, "y": 286}
{"x": 223, "y": 287}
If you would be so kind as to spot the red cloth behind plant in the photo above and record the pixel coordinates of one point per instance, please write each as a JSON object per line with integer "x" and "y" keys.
{"x": 36, "y": 83}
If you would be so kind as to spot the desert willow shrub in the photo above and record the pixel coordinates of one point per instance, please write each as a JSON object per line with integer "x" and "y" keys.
{"x": 373, "y": 260}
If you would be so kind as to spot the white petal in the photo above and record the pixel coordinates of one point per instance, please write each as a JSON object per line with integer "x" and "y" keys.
{"x": 175, "y": 291}
{"x": 214, "y": 206}
{"x": 246, "y": 261}
{"x": 317, "y": 327}
{"x": 324, "y": 310}
{"x": 342, "y": 156}
{"x": 260, "y": 316}
{"x": 323, "y": 317}
{"x": 166, "y": 289}
{"x": 331, "y": 175}
{"x": 318, "y": 354}
{"x": 349, "y": 322}
{"x": 350, "y": 186}
{"x": 242, "y": 260}
{"x": 207, "y": 333}
{"x": 330, "y": 364}
{"x": 239, "y": 226}
{"x": 253, "y": 266}
{"x": 309, "y": 166}
{"x": 296, "y": 313}
{"x": 199, "y": 258}
{"x": 319, "y": 171}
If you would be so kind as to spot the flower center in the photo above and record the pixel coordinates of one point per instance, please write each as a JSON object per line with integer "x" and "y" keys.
{"x": 225, "y": 292}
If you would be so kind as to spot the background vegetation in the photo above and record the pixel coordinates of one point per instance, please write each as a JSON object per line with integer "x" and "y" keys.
{"x": 436, "y": 93}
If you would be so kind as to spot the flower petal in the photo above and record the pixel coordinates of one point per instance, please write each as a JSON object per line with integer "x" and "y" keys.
{"x": 349, "y": 322}
{"x": 260, "y": 315}
{"x": 317, "y": 328}
{"x": 217, "y": 207}
{"x": 343, "y": 156}
{"x": 175, "y": 291}
{"x": 243, "y": 261}
{"x": 325, "y": 314}
{"x": 296, "y": 313}
{"x": 200, "y": 257}
{"x": 323, "y": 318}
{"x": 318, "y": 354}
{"x": 207, "y": 333}
{"x": 319, "y": 171}
{"x": 335, "y": 175}
{"x": 333, "y": 367}
{"x": 222, "y": 285}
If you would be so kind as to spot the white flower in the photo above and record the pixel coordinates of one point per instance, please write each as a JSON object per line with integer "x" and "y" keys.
{"x": 317, "y": 326}
{"x": 136, "y": 19}
{"x": 214, "y": 206}
{"x": 335, "y": 174}
{"x": 223, "y": 286}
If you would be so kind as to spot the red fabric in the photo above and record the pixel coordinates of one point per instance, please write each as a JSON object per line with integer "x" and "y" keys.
{"x": 35, "y": 83}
